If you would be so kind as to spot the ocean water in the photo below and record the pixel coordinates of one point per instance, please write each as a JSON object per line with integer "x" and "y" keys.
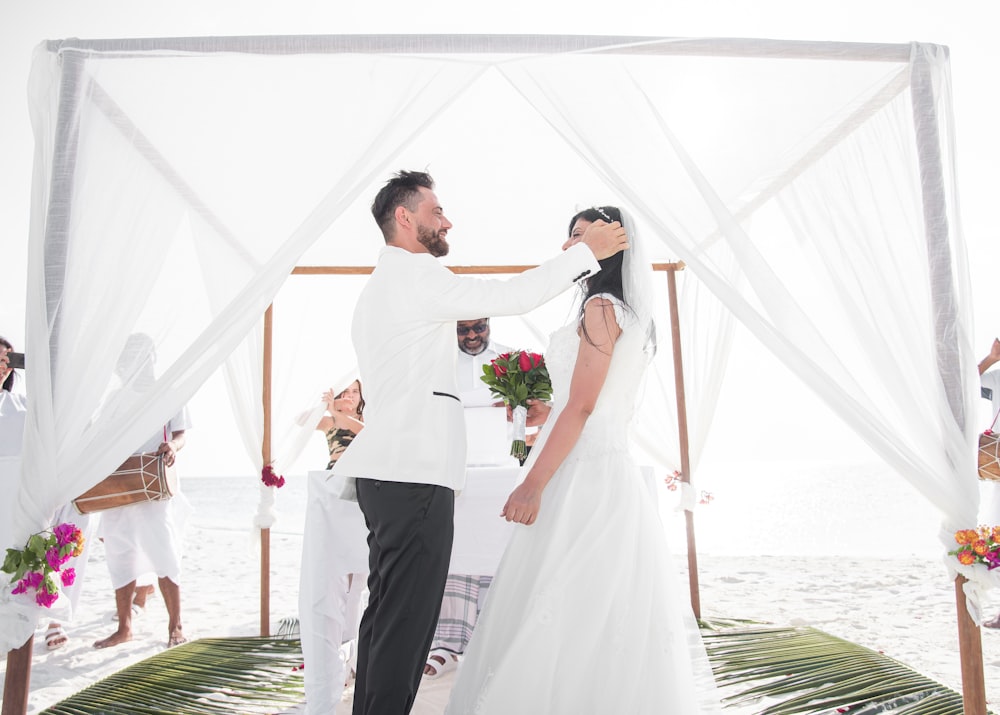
{"x": 230, "y": 503}
{"x": 771, "y": 508}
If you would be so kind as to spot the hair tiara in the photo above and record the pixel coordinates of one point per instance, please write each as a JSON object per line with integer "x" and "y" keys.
{"x": 601, "y": 211}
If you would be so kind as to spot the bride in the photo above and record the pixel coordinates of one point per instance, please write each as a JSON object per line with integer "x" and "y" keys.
{"x": 585, "y": 615}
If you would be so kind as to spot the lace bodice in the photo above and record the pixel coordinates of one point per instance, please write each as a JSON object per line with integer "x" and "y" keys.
{"x": 615, "y": 406}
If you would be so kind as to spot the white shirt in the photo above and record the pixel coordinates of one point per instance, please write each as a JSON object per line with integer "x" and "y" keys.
{"x": 468, "y": 371}
{"x": 991, "y": 381}
{"x": 13, "y": 410}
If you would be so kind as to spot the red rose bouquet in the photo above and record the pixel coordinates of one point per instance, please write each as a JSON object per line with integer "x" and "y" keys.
{"x": 515, "y": 378}
{"x": 46, "y": 553}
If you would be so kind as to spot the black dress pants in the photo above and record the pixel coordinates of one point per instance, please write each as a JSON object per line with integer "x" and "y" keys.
{"x": 410, "y": 530}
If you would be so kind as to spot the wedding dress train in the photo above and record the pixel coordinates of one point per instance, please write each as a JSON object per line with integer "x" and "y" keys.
{"x": 586, "y": 614}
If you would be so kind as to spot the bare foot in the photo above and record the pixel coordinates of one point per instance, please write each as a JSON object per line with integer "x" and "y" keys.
{"x": 176, "y": 637}
{"x": 995, "y": 623}
{"x": 116, "y": 638}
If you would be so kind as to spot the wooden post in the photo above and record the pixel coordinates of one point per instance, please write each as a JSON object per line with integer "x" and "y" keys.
{"x": 682, "y": 435}
{"x": 970, "y": 647}
{"x": 17, "y": 680}
{"x": 944, "y": 301}
{"x": 265, "y": 452}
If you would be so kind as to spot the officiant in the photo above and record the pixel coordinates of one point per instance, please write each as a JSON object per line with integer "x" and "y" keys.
{"x": 475, "y": 349}
{"x": 464, "y": 593}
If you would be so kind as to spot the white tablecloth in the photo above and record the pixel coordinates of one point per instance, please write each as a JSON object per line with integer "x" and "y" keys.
{"x": 480, "y": 533}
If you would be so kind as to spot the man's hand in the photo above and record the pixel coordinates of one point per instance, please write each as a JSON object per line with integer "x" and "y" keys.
{"x": 168, "y": 451}
{"x": 538, "y": 412}
{"x": 605, "y": 239}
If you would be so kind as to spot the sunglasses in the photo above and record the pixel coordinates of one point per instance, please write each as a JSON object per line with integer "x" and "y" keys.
{"x": 477, "y": 328}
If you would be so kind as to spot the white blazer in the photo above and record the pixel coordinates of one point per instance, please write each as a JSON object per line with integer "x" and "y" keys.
{"x": 404, "y": 336}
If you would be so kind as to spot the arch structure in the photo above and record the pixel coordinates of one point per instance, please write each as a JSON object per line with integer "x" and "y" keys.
{"x": 809, "y": 188}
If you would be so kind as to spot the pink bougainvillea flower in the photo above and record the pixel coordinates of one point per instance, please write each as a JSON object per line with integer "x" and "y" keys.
{"x": 268, "y": 476}
{"x": 65, "y": 533}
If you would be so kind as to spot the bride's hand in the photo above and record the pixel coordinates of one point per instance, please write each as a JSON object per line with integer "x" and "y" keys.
{"x": 523, "y": 505}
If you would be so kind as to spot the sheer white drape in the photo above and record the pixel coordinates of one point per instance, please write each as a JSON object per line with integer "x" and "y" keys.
{"x": 175, "y": 188}
{"x": 849, "y": 307}
{"x": 147, "y": 231}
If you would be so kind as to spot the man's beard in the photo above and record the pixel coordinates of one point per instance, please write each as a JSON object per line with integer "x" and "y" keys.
{"x": 432, "y": 241}
{"x": 465, "y": 348}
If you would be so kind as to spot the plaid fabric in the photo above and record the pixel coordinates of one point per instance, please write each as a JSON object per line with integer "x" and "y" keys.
{"x": 463, "y": 600}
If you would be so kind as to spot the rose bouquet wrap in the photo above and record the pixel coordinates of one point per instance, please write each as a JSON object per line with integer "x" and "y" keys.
{"x": 515, "y": 378}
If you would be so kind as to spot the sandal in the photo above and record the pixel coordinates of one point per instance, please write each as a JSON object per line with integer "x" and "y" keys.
{"x": 440, "y": 661}
{"x": 137, "y": 611}
{"x": 55, "y": 637}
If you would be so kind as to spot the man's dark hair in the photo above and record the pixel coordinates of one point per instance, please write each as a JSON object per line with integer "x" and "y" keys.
{"x": 403, "y": 189}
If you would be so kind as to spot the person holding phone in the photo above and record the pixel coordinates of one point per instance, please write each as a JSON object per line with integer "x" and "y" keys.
{"x": 13, "y": 411}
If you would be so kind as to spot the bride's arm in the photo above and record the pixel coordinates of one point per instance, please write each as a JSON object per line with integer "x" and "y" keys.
{"x": 592, "y": 362}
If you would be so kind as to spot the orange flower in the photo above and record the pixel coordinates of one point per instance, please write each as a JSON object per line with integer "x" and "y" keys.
{"x": 78, "y": 549}
{"x": 966, "y": 536}
{"x": 966, "y": 558}
{"x": 980, "y": 546}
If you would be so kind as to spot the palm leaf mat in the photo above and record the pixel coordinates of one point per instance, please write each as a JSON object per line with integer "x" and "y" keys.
{"x": 817, "y": 673}
{"x": 803, "y": 669}
{"x": 205, "y": 676}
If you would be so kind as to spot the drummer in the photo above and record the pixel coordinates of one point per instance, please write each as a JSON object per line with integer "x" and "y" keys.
{"x": 146, "y": 537}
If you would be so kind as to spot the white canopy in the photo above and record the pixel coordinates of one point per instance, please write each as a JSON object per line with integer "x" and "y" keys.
{"x": 809, "y": 188}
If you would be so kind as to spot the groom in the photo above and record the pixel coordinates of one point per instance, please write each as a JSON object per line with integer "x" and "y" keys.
{"x": 406, "y": 464}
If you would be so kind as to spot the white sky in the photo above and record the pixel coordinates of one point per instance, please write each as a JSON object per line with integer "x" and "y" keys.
{"x": 965, "y": 26}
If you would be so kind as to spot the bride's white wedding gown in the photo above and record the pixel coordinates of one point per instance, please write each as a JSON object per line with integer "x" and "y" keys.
{"x": 585, "y": 614}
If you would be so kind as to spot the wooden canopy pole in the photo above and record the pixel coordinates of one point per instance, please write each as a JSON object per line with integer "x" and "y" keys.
{"x": 16, "y": 681}
{"x": 265, "y": 453}
{"x": 944, "y": 299}
{"x": 682, "y": 435}
{"x": 970, "y": 649}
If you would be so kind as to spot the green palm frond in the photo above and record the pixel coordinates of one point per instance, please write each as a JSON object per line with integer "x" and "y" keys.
{"x": 817, "y": 673}
{"x": 206, "y": 676}
{"x": 803, "y": 669}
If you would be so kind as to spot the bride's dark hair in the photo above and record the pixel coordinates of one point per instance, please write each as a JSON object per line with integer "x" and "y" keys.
{"x": 609, "y": 279}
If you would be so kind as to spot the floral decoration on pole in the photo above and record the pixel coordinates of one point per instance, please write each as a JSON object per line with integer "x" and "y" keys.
{"x": 515, "y": 378}
{"x": 978, "y": 546}
{"x": 34, "y": 567}
{"x": 270, "y": 477}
